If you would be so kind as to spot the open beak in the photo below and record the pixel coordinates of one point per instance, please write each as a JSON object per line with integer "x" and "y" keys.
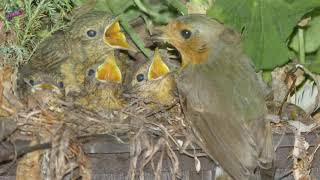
{"x": 109, "y": 71}
{"x": 163, "y": 36}
{"x": 46, "y": 87}
{"x": 158, "y": 67}
{"x": 114, "y": 37}
{"x": 159, "y": 35}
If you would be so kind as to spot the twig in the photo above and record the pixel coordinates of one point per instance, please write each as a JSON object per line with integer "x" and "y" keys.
{"x": 15, "y": 151}
{"x": 311, "y": 156}
{"x": 159, "y": 166}
{"x": 286, "y": 174}
{"x": 162, "y": 109}
{"x": 287, "y": 94}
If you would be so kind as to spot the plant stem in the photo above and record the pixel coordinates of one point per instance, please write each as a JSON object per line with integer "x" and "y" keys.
{"x": 267, "y": 76}
{"x": 302, "y": 57}
{"x": 136, "y": 39}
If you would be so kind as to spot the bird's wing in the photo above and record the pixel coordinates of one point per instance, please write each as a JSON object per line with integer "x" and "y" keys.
{"x": 50, "y": 53}
{"x": 223, "y": 104}
{"x": 223, "y": 138}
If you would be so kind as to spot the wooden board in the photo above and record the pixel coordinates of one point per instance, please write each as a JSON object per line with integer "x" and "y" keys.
{"x": 109, "y": 160}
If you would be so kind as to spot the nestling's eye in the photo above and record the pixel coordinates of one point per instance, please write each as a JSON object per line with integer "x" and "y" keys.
{"x": 91, "y": 33}
{"x": 140, "y": 77}
{"x": 91, "y": 72}
{"x": 60, "y": 84}
{"x": 31, "y": 82}
{"x": 185, "y": 33}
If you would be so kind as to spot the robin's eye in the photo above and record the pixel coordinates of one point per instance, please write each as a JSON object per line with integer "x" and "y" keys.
{"x": 31, "y": 82}
{"x": 185, "y": 33}
{"x": 91, "y": 33}
{"x": 91, "y": 72}
{"x": 60, "y": 84}
{"x": 140, "y": 77}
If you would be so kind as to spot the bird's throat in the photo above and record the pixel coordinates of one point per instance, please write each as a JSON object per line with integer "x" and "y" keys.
{"x": 193, "y": 57}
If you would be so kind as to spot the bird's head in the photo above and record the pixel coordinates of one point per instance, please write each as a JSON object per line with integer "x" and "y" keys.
{"x": 194, "y": 36}
{"x": 43, "y": 89}
{"x": 153, "y": 81}
{"x": 98, "y": 31}
{"x": 103, "y": 84}
{"x": 46, "y": 82}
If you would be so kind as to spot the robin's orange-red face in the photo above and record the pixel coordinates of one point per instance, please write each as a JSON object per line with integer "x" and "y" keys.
{"x": 187, "y": 41}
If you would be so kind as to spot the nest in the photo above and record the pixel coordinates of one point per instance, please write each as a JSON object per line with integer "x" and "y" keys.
{"x": 57, "y": 130}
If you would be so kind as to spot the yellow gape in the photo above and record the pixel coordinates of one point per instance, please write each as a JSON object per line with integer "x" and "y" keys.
{"x": 157, "y": 68}
{"x": 114, "y": 37}
{"x": 109, "y": 71}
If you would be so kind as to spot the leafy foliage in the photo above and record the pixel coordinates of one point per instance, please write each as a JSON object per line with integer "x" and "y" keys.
{"x": 266, "y": 25}
{"x": 38, "y": 20}
{"x": 312, "y": 44}
{"x": 312, "y": 37}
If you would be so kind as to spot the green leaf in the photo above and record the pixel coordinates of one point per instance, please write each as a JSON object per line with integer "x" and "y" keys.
{"x": 159, "y": 12}
{"x": 131, "y": 13}
{"x": 182, "y": 8}
{"x": 266, "y": 25}
{"x": 312, "y": 37}
{"x": 115, "y": 6}
{"x": 313, "y": 67}
{"x": 135, "y": 37}
{"x": 118, "y": 6}
{"x": 101, "y": 5}
{"x": 313, "y": 62}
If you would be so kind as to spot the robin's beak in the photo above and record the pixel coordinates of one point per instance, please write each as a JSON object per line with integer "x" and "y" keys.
{"x": 46, "y": 87}
{"x": 114, "y": 37}
{"x": 109, "y": 71}
{"x": 161, "y": 37}
{"x": 158, "y": 67}
{"x": 159, "y": 34}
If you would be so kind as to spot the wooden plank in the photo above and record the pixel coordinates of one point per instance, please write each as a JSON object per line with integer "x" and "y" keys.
{"x": 109, "y": 159}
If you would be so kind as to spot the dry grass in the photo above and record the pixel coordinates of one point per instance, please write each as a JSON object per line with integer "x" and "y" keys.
{"x": 53, "y": 120}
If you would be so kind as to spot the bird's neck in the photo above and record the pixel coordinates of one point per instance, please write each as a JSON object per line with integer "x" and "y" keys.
{"x": 102, "y": 98}
{"x": 194, "y": 57}
{"x": 111, "y": 98}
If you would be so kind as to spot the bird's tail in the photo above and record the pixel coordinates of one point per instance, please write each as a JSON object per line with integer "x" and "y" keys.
{"x": 267, "y": 153}
{"x": 220, "y": 174}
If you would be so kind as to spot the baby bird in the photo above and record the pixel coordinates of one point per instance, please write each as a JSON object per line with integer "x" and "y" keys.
{"x": 42, "y": 90}
{"x": 69, "y": 52}
{"x": 154, "y": 82}
{"x": 104, "y": 85}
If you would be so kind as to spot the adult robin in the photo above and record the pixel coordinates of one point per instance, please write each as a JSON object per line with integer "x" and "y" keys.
{"x": 221, "y": 97}
{"x": 67, "y": 53}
